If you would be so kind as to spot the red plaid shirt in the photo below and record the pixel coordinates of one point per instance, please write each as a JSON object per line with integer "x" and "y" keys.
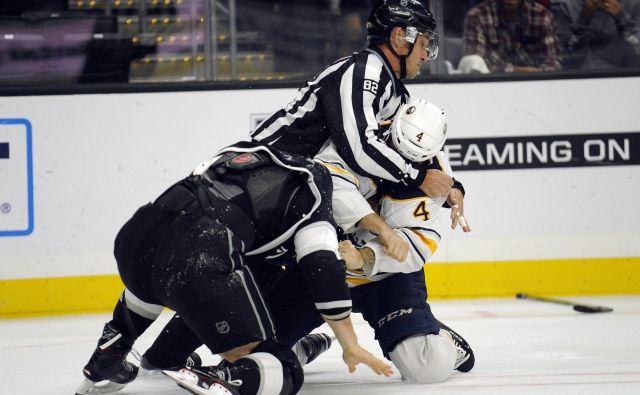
{"x": 533, "y": 42}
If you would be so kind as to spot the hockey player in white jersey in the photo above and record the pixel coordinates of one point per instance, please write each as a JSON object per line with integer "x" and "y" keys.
{"x": 418, "y": 133}
{"x": 391, "y": 294}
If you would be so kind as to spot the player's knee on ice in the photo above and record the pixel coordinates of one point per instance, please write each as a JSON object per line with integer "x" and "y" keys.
{"x": 425, "y": 358}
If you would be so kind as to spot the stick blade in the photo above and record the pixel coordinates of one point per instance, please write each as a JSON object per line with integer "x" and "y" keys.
{"x": 582, "y": 308}
{"x": 592, "y": 309}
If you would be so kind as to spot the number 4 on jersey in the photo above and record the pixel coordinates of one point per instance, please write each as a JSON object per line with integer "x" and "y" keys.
{"x": 421, "y": 211}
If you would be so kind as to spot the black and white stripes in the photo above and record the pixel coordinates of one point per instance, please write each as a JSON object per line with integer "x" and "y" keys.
{"x": 346, "y": 102}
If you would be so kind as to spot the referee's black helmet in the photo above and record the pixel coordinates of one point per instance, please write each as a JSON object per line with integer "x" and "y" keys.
{"x": 388, "y": 14}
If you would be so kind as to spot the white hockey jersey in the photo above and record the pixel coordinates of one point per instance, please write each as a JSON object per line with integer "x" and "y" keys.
{"x": 412, "y": 214}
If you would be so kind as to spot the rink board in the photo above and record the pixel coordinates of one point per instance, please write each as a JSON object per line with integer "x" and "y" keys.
{"x": 72, "y": 295}
{"x": 551, "y": 175}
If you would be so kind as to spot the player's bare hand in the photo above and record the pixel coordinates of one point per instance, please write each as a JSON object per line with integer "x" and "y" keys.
{"x": 356, "y": 355}
{"x": 436, "y": 184}
{"x": 394, "y": 245}
{"x": 351, "y": 255}
{"x": 456, "y": 201}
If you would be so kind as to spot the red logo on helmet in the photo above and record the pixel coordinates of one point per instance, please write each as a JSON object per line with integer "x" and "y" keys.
{"x": 242, "y": 159}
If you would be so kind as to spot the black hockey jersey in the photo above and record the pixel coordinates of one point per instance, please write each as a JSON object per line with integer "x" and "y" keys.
{"x": 287, "y": 201}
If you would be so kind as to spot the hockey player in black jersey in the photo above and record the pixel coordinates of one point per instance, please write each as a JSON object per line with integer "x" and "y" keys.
{"x": 187, "y": 251}
{"x": 349, "y": 100}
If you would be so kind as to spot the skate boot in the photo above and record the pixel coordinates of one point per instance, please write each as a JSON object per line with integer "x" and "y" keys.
{"x": 146, "y": 367}
{"x": 108, "y": 363}
{"x": 209, "y": 380}
{"x": 311, "y": 346}
{"x": 465, "y": 359}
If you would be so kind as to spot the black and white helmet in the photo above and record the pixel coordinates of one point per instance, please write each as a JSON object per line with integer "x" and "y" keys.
{"x": 411, "y": 15}
{"x": 419, "y": 130}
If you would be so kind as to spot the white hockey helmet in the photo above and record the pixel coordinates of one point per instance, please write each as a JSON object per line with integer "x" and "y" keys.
{"x": 419, "y": 130}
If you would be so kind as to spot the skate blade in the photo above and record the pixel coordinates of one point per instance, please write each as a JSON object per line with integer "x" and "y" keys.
{"x": 102, "y": 387}
{"x": 179, "y": 378}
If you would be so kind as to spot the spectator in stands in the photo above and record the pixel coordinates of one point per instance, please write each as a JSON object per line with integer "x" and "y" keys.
{"x": 453, "y": 13}
{"x": 510, "y": 36}
{"x": 598, "y": 34}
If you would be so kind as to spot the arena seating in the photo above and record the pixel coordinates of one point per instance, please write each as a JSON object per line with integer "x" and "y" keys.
{"x": 80, "y": 41}
{"x": 168, "y": 36}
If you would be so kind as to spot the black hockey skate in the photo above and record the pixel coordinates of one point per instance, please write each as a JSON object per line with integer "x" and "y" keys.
{"x": 311, "y": 346}
{"x": 465, "y": 359}
{"x": 108, "y": 364}
{"x": 205, "y": 380}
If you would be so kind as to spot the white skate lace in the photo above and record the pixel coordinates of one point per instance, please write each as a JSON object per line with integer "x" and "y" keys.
{"x": 135, "y": 354}
{"x": 190, "y": 362}
{"x": 235, "y": 383}
{"x": 226, "y": 376}
{"x": 128, "y": 366}
{"x": 462, "y": 354}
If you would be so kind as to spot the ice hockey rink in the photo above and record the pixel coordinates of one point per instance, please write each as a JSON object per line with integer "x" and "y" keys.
{"x": 521, "y": 347}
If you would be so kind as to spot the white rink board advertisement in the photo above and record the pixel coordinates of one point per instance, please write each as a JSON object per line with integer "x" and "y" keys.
{"x": 550, "y": 167}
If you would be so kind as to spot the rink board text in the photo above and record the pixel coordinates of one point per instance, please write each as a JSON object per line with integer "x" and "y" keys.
{"x": 530, "y": 152}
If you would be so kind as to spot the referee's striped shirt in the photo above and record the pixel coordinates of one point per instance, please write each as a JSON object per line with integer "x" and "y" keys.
{"x": 346, "y": 102}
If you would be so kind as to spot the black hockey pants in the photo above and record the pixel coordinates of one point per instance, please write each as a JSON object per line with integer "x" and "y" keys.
{"x": 184, "y": 256}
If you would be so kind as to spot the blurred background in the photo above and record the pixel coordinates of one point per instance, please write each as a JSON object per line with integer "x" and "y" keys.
{"x": 69, "y": 42}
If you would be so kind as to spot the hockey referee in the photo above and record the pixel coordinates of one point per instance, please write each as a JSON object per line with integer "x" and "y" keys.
{"x": 352, "y": 100}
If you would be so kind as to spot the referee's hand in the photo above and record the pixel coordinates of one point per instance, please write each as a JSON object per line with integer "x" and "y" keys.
{"x": 436, "y": 184}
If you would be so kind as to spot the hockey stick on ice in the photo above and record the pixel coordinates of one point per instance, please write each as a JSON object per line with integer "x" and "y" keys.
{"x": 583, "y": 308}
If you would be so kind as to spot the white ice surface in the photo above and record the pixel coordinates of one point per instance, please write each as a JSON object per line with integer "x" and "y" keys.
{"x": 521, "y": 347}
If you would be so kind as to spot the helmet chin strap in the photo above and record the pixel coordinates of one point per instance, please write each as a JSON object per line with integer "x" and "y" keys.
{"x": 402, "y": 58}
